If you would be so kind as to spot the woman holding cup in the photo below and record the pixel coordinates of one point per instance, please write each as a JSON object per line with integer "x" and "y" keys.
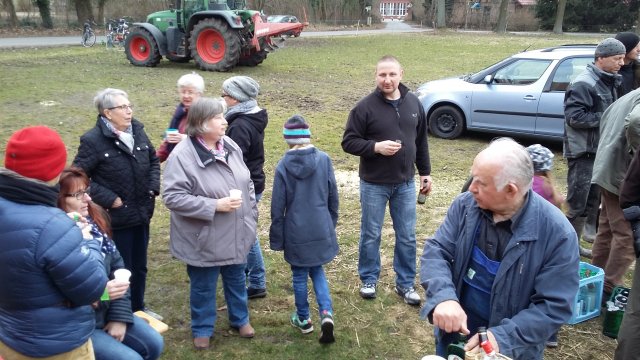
{"x": 118, "y": 334}
{"x": 190, "y": 88}
{"x": 209, "y": 191}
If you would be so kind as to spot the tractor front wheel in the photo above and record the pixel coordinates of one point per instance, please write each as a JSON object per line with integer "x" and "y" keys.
{"x": 141, "y": 48}
{"x": 214, "y": 45}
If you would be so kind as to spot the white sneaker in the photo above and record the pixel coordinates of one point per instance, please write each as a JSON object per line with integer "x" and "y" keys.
{"x": 368, "y": 291}
{"x": 409, "y": 295}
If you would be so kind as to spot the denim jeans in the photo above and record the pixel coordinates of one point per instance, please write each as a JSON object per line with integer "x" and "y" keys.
{"x": 255, "y": 263}
{"x": 140, "y": 342}
{"x": 320, "y": 287}
{"x": 583, "y": 197}
{"x": 402, "y": 207}
{"x": 204, "y": 281}
{"x": 132, "y": 244}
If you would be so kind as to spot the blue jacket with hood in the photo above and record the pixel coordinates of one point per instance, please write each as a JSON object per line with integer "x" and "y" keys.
{"x": 304, "y": 208}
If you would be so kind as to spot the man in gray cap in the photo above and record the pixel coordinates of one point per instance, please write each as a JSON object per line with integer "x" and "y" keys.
{"x": 630, "y": 71}
{"x": 586, "y": 98}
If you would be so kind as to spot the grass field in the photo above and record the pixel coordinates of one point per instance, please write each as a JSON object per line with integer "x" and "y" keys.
{"x": 320, "y": 78}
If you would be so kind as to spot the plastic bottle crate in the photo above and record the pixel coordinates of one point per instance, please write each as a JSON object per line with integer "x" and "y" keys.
{"x": 587, "y": 301}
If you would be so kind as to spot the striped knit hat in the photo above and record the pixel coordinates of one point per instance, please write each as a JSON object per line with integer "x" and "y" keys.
{"x": 296, "y": 131}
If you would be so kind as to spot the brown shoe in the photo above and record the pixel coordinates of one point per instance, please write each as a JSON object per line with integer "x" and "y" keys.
{"x": 246, "y": 331}
{"x": 201, "y": 343}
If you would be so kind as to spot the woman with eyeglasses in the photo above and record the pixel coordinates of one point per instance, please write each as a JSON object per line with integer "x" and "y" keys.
{"x": 124, "y": 170}
{"x": 190, "y": 88}
{"x": 118, "y": 333}
{"x": 209, "y": 191}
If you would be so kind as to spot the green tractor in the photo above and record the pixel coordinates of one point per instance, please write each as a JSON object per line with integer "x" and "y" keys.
{"x": 217, "y": 34}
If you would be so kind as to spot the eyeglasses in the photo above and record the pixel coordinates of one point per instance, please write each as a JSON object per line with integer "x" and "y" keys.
{"x": 80, "y": 194}
{"x": 122, "y": 107}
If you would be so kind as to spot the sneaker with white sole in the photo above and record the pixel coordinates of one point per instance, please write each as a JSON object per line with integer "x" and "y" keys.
{"x": 304, "y": 326}
{"x": 409, "y": 295}
{"x": 368, "y": 291}
{"x": 326, "y": 326}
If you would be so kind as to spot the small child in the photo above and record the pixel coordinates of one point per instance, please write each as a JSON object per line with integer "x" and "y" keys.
{"x": 543, "y": 182}
{"x": 304, "y": 214}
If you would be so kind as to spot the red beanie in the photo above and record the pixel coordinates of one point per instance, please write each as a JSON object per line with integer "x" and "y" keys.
{"x": 36, "y": 152}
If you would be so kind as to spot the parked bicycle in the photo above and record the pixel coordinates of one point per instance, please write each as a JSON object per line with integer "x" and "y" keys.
{"x": 117, "y": 32}
{"x": 88, "y": 35}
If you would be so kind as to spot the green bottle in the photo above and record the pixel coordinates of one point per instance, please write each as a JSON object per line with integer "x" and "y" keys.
{"x": 455, "y": 350}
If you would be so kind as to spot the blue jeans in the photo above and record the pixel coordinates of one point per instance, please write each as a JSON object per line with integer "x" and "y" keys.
{"x": 140, "y": 342}
{"x": 204, "y": 281}
{"x": 255, "y": 263}
{"x": 132, "y": 244}
{"x": 402, "y": 207}
{"x": 320, "y": 287}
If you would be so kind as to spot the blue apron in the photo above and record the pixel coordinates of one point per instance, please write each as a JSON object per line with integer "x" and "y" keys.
{"x": 478, "y": 281}
{"x": 476, "y": 294}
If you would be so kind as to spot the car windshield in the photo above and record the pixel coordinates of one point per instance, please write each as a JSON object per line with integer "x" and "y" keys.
{"x": 478, "y": 76}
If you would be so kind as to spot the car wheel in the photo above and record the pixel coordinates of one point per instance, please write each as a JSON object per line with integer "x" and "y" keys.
{"x": 446, "y": 122}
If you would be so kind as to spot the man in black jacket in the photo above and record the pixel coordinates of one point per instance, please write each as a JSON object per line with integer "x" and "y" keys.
{"x": 387, "y": 129}
{"x": 587, "y": 97}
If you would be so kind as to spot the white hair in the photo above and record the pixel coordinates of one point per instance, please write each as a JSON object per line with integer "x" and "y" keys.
{"x": 515, "y": 163}
{"x": 193, "y": 80}
{"x": 105, "y": 98}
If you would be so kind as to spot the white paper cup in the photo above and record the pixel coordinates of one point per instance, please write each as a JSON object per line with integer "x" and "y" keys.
{"x": 235, "y": 194}
{"x": 122, "y": 275}
{"x": 172, "y": 131}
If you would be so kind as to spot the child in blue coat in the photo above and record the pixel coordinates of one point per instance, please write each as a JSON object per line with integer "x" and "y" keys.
{"x": 304, "y": 214}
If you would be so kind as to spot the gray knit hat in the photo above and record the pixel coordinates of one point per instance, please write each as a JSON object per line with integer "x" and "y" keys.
{"x": 541, "y": 157}
{"x": 296, "y": 131}
{"x": 610, "y": 47}
{"x": 241, "y": 88}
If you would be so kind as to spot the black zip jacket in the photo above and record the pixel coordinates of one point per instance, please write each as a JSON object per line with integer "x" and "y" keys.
{"x": 375, "y": 119}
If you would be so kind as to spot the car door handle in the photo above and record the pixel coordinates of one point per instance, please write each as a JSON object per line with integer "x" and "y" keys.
{"x": 529, "y": 97}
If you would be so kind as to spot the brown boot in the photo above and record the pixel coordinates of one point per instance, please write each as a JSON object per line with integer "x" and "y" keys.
{"x": 201, "y": 343}
{"x": 246, "y": 331}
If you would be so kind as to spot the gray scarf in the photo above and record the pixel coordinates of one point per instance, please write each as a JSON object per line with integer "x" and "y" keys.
{"x": 243, "y": 107}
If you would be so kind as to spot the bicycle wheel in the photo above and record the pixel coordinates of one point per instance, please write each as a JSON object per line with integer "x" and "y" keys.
{"x": 89, "y": 39}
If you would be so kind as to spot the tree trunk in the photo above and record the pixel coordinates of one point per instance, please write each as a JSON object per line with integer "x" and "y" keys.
{"x": 557, "y": 27}
{"x": 101, "y": 4}
{"x": 9, "y": 8}
{"x": 501, "y": 25}
{"x": 441, "y": 14}
{"x": 45, "y": 13}
{"x": 84, "y": 10}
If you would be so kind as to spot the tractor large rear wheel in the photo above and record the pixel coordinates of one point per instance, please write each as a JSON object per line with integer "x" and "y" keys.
{"x": 214, "y": 45}
{"x": 141, "y": 48}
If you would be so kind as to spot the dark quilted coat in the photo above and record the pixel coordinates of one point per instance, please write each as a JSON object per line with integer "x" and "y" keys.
{"x": 115, "y": 171}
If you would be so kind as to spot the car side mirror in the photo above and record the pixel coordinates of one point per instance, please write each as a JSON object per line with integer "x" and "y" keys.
{"x": 488, "y": 79}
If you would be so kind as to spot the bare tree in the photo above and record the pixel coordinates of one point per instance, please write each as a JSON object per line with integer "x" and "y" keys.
{"x": 84, "y": 11}
{"x": 501, "y": 25}
{"x": 101, "y": 4}
{"x": 45, "y": 13}
{"x": 557, "y": 27}
{"x": 441, "y": 14}
{"x": 11, "y": 10}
